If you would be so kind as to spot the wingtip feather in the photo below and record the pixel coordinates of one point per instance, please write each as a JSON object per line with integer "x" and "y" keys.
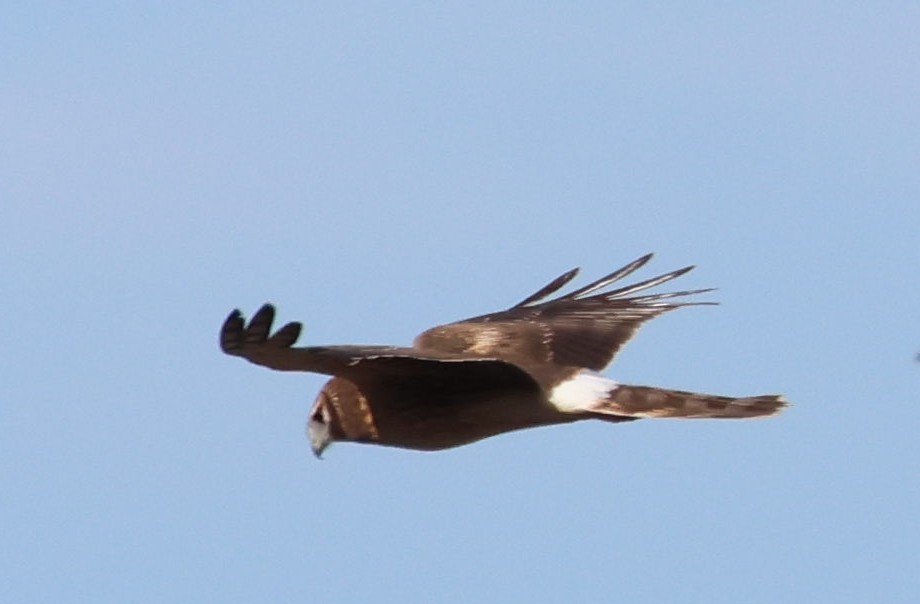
{"x": 230, "y": 331}
{"x": 287, "y": 335}
{"x": 549, "y": 288}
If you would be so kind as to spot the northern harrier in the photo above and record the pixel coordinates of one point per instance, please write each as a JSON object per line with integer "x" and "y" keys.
{"x": 534, "y": 364}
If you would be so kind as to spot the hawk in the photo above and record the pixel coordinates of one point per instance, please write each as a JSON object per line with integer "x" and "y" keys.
{"x": 534, "y": 364}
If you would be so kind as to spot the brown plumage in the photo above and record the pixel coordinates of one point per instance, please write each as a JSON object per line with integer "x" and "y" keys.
{"x": 531, "y": 365}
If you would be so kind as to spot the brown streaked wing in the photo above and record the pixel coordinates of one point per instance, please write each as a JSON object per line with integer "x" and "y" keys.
{"x": 575, "y": 329}
{"x": 255, "y": 343}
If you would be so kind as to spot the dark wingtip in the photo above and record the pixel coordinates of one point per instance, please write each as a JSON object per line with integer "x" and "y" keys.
{"x": 606, "y": 280}
{"x": 267, "y": 310}
{"x": 235, "y": 333}
{"x": 287, "y": 335}
{"x": 637, "y": 263}
{"x": 231, "y": 330}
{"x": 549, "y": 288}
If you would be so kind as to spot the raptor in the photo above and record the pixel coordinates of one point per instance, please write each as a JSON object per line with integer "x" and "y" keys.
{"x": 535, "y": 364}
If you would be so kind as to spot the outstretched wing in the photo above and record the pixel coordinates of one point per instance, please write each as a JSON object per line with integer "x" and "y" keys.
{"x": 579, "y": 329}
{"x": 256, "y": 343}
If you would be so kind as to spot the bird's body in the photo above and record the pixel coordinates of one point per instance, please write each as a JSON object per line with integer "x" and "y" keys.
{"x": 534, "y": 364}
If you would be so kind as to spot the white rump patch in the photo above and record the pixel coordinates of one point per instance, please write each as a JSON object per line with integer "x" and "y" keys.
{"x": 581, "y": 392}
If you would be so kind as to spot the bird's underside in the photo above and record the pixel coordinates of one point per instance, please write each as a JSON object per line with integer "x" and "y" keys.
{"x": 534, "y": 364}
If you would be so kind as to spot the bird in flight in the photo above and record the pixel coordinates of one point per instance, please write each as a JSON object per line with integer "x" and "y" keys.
{"x": 534, "y": 364}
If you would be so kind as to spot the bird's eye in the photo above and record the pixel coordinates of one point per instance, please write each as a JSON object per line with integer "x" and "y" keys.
{"x": 319, "y": 416}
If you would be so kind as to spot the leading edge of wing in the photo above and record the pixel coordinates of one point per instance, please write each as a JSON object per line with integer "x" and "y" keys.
{"x": 256, "y": 343}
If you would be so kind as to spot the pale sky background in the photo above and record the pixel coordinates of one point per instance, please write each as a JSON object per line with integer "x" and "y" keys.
{"x": 377, "y": 168}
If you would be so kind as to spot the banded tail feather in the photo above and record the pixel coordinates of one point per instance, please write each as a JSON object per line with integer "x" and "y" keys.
{"x": 645, "y": 401}
{"x": 598, "y": 396}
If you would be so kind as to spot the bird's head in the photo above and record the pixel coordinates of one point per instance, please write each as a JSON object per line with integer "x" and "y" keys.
{"x": 319, "y": 426}
{"x": 341, "y": 412}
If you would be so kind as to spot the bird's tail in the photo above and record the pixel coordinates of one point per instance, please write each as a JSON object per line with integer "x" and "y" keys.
{"x": 644, "y": 401}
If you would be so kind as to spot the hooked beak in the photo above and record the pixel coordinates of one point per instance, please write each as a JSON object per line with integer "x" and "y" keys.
{"x": 319, "y": 437}
{"x": 318, "y": 450}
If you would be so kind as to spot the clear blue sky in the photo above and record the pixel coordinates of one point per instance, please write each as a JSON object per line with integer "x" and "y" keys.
{"x": 375, "y": 169}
